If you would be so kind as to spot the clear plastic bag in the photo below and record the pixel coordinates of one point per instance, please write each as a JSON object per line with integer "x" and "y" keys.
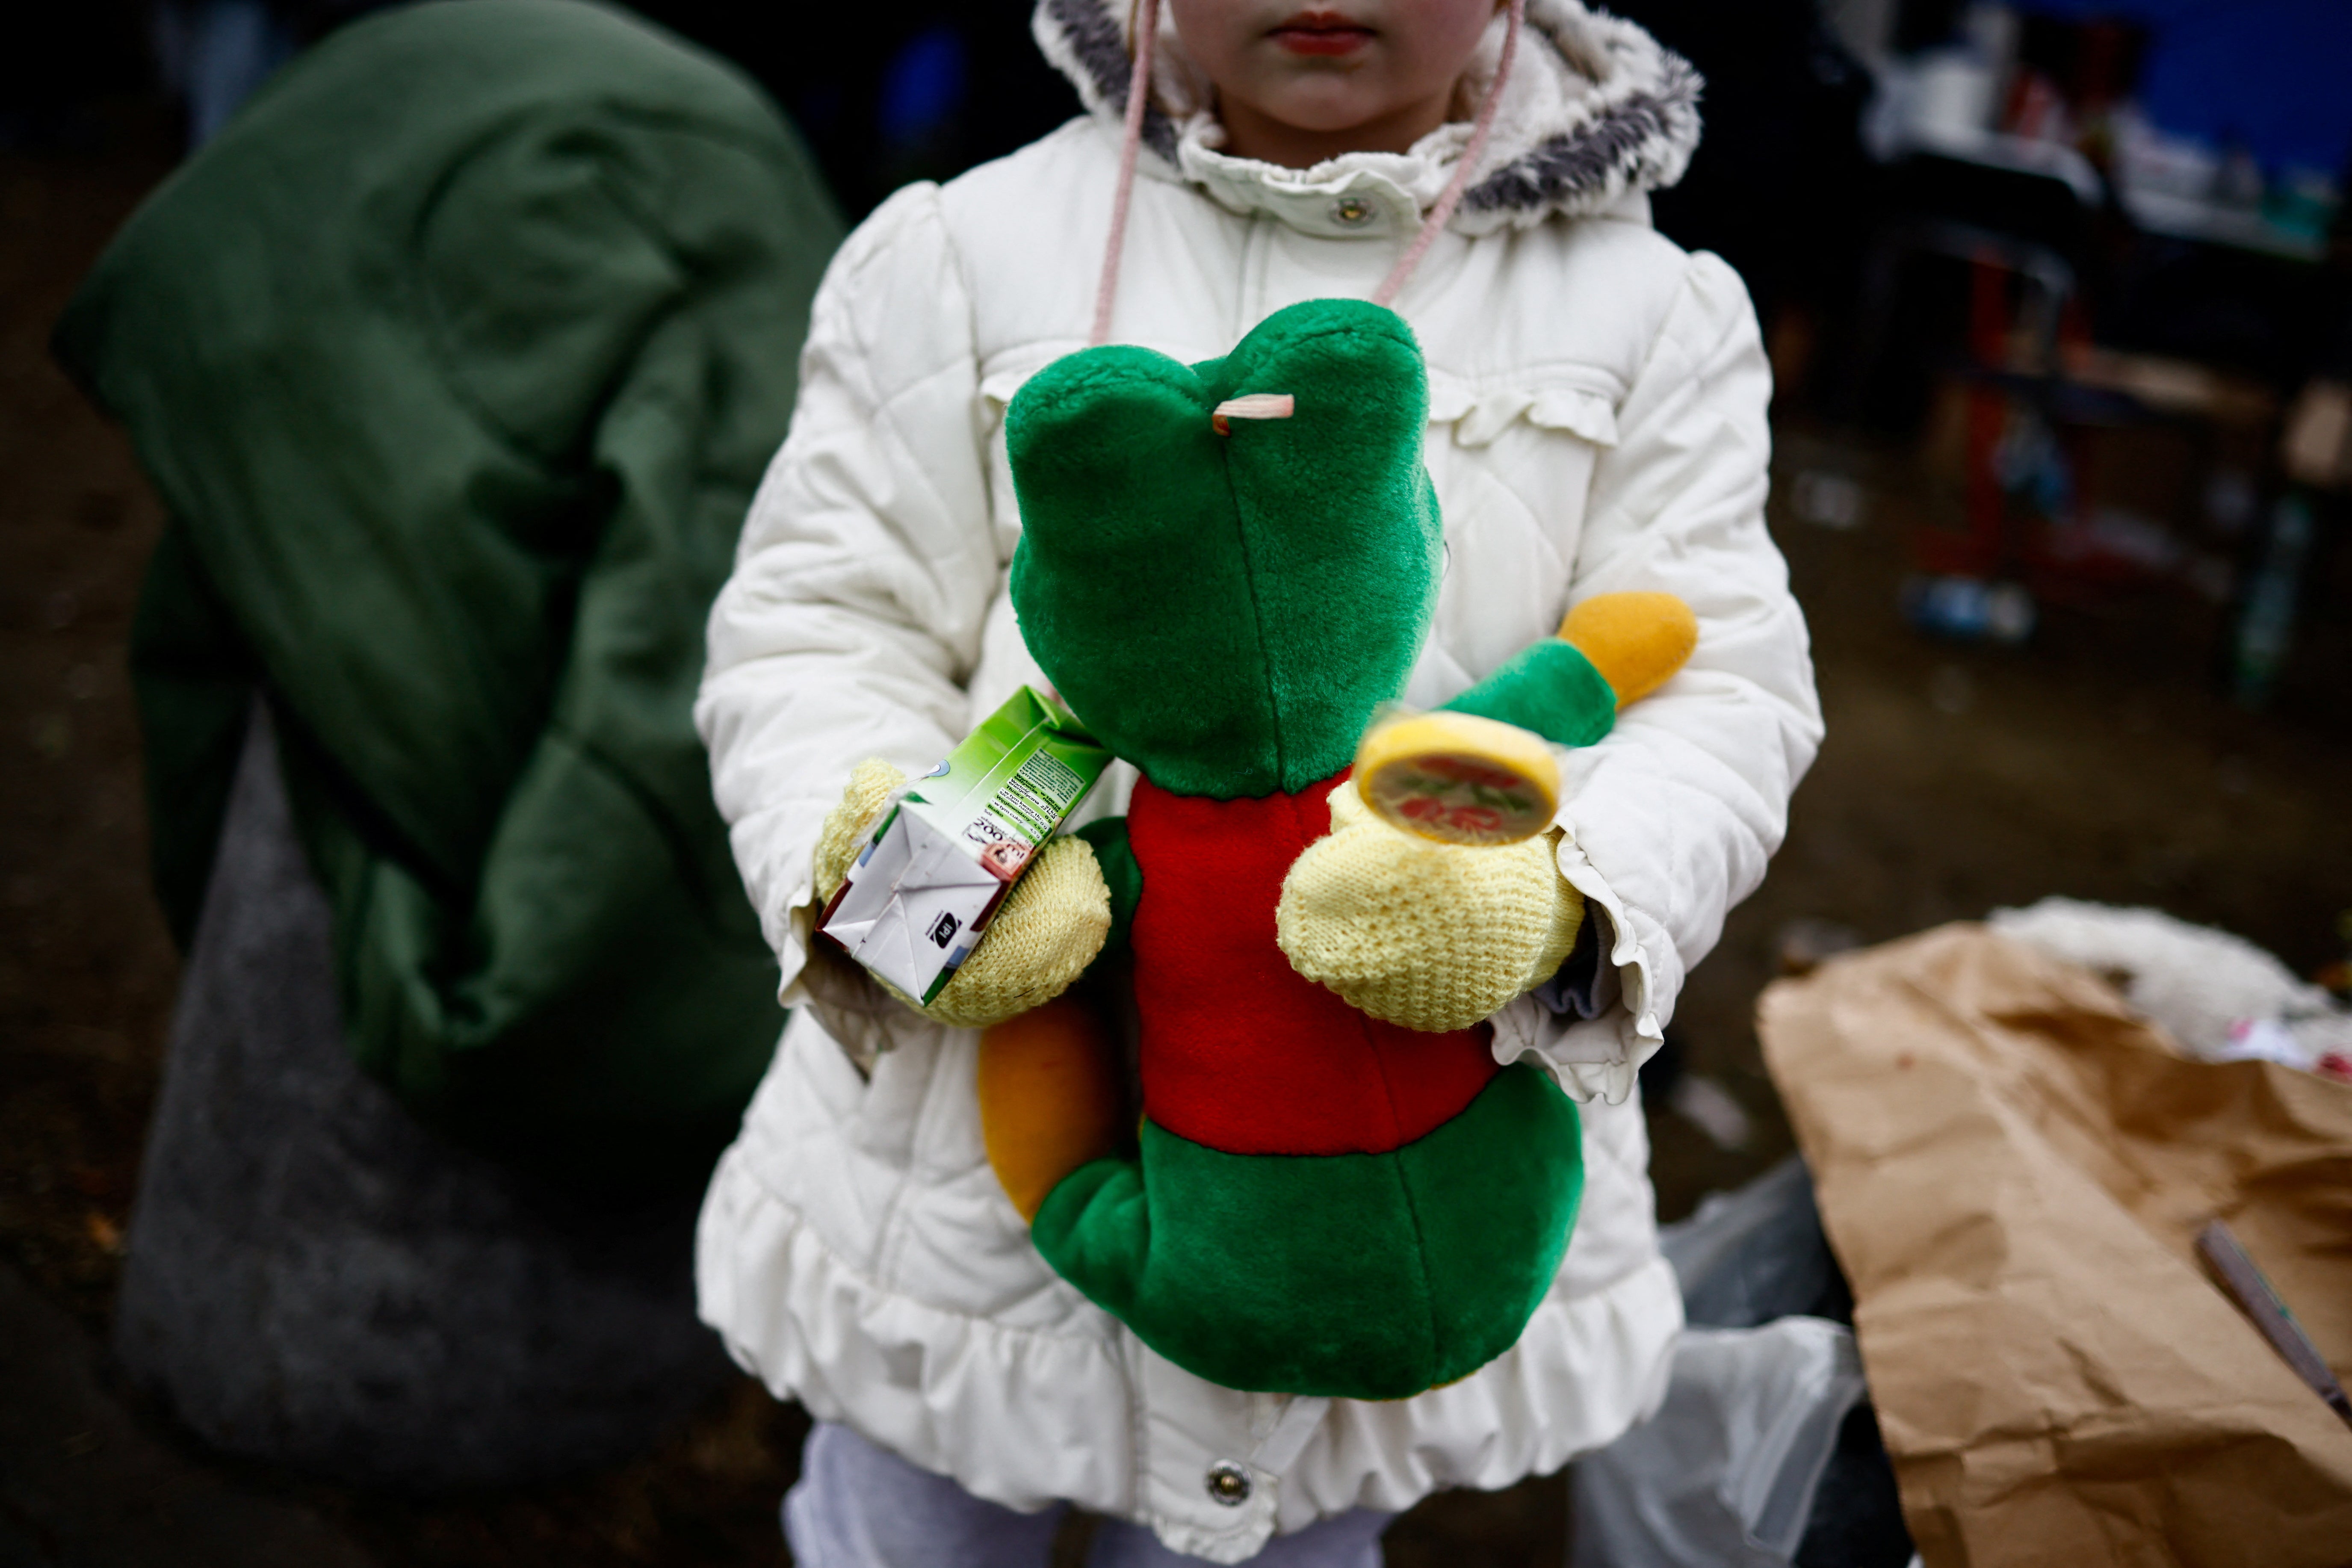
{"x": 1724, "y": 1475}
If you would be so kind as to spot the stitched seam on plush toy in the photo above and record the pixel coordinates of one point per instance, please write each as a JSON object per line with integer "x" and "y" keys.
{"x": 1289, "y": 344}
{"x": 1257, "y": 619}
{"x": 1420, "y": 1255}
{"x": 1392, "y": 1136}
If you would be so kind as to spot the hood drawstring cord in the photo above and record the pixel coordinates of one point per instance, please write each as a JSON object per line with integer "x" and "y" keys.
{"x": 1475, "y": 149}
{"x": 1138, "y": 97}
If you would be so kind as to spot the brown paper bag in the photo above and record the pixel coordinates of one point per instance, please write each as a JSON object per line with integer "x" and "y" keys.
{"x": 2012, "y": 1167}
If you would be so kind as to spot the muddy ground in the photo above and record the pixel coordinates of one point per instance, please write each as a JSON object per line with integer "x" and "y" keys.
{"x": 2099, "y": 761}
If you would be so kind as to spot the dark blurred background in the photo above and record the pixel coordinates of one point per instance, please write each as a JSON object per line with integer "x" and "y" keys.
{"x": 2056, "y": 295}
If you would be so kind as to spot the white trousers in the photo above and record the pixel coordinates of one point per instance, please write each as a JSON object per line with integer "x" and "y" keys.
{"x": 859, "y": 1506}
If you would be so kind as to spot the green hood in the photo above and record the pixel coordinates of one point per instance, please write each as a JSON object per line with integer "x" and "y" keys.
{"x": 456, "y": 360}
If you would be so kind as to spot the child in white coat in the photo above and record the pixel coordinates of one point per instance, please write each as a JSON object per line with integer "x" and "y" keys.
{"x": 1597, "y": 423}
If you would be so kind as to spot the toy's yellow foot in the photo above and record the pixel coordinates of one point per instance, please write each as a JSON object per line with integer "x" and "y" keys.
{"x": 1432, "y": 936}
{"x": 1636, "y": 641}
{"x": 1049, "y": 1100}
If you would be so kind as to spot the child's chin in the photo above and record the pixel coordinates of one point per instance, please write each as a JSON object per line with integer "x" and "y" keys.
{"x": 1314, "y": 108}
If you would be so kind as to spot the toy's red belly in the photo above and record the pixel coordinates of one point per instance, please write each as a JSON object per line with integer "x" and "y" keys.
{"x": 1239, "y": 1052}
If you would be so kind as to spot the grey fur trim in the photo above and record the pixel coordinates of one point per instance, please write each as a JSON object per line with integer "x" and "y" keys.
{"x": 1641, "y": 142}
{"x": 1093, "y": 53}
{"x": 1634, "y": 129}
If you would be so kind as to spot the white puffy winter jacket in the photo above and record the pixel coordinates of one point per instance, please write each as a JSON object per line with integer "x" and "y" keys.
{"x": 1597, "y": 422}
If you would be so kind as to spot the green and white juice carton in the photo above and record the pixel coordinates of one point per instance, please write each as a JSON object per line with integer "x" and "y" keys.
{"x": 942, "y": 860}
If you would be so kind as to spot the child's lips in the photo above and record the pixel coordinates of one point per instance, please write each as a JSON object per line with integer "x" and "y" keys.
{"x": 1321, "y": 33}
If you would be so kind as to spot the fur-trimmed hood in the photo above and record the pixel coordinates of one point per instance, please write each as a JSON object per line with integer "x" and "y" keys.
{"x": 1595, "y": 111}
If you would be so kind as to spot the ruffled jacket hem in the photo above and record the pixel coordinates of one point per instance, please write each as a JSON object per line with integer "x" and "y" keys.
{"x": 1081, "y": 1411}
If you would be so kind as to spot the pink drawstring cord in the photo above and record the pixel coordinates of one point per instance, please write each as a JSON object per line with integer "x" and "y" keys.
{"x": 1444, "y": 211}
{"x": 1139, "y": 95}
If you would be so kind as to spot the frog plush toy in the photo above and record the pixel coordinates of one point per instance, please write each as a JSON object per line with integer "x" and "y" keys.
{"x": 1335, "y": 1189}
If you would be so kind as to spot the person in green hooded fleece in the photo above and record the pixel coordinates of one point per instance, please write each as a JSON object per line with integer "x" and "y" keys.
{"x": 454, "y": 359}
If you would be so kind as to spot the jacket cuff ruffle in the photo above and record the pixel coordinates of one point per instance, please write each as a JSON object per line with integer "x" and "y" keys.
{"x": 1595, "y": 1058}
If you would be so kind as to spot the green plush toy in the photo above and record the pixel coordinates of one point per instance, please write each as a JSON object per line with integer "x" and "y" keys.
{"x": 1337, "y": 1190}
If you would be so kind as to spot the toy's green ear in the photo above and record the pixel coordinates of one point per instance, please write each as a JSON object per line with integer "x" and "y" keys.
{"x": 1227, "y": 610}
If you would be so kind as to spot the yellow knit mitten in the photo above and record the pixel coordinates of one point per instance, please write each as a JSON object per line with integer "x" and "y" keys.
{"x": 850, "y": 824}
{"x": 1043, "y": 935}
{"x": 1432, "y": 936}
{"x": 1048, "y": 930}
